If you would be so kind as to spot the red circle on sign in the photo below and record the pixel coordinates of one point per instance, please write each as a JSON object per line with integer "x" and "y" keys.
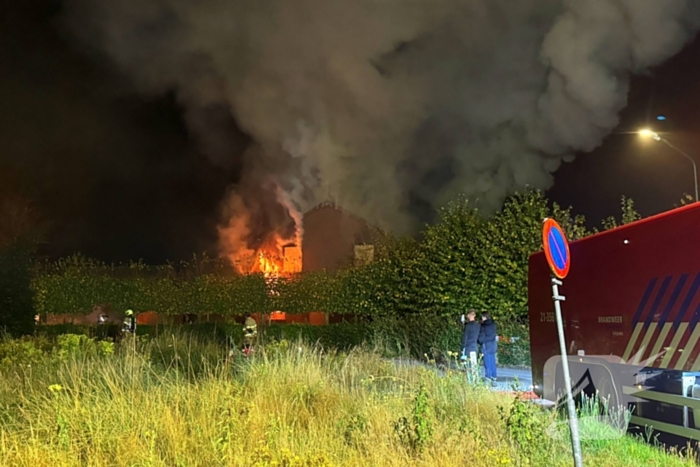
{"x": 555, "y": 244}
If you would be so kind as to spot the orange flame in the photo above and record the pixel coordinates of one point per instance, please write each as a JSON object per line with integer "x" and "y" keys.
{"x": 273, "y": 259}
{"x": 268, "y": 266}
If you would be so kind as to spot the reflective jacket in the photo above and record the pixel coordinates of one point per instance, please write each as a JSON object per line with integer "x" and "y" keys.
{"x": 129, "y": 324}
{"x": 250, "y": 328}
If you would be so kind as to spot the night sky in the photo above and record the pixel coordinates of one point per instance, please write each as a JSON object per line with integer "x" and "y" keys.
{"x": 116, "y": 176}
{"x": 650, "y": 173}
{"x": 119, "y": 178}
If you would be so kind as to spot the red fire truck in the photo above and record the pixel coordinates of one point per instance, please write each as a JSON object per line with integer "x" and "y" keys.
{"x": 630, "y": 319}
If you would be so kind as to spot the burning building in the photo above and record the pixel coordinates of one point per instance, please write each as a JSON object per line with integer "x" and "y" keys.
{"x": 327, "y": 238}
{"x": 332, "y": 239}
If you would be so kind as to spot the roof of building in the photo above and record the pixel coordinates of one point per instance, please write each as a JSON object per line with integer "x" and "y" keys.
{"x": 331, "y": 205}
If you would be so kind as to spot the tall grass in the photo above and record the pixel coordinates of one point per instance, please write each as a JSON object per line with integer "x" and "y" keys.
{"x": 175, "y": 401}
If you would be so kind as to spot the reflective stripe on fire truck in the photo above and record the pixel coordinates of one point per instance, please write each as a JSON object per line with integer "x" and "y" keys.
{"x": 645, "y": 343}
{"x": 662, "y": 338}
{"x": 688, "y": 348}
{"x": 636, "y": 320}
{"x": 664, "y": 324}
{"x": 696, "y": 365}
{"x": 674, "y": 344}
{"x": 680, "y": 327}
{"x": 632, "y": 341}
{"x": 649, "y": 324}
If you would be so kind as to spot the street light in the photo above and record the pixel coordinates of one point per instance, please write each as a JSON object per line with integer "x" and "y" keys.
{"x": 647, "y": 133}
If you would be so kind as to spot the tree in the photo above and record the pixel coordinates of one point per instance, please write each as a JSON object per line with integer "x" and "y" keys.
{"x": 499, "y": 282}
{"x": 685, "y": 200}
{"x": 468, "y": 260}
{"x": 574, "y": 225}
{"x": 629, "y": 215}
{"x": 448, "y": 253}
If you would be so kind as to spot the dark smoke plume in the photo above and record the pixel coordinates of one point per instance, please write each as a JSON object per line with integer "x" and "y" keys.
{"x": 384, "y": 105}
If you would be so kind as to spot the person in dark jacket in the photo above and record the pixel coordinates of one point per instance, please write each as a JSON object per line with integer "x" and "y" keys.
{"x": 489, "y": 346}
{"x": 470, "y": 338}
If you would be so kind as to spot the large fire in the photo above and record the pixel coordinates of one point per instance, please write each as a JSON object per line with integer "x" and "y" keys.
{"x": 268, "y": 265}
{"x": 278, "y": 254}
{"x": 275, "y": 258}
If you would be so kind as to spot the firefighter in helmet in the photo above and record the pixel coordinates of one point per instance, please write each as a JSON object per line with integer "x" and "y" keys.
{"x": 129, "y": 324}
{"x": 250, "y": 333}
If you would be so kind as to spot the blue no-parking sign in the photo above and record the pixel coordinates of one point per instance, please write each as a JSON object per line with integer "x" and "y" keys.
{"x": 556, "y": 248}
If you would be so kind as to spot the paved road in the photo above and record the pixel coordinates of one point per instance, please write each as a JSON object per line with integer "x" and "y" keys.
{"x": 520, "y": 378}
{"x": 508, "y": 378}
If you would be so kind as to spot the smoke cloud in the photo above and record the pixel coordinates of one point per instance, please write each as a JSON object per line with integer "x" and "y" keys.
{"x": 386, "y": 107}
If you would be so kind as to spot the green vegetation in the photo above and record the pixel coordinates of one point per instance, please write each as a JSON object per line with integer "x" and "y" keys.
{"x": 629, "y": 215}
{"x": 172, "y": 401}
{"x": 466, "y": 260}
{"x": 310, "y": 395}
{"x": 77, "y": 284}
{"x": 411, "y": 294}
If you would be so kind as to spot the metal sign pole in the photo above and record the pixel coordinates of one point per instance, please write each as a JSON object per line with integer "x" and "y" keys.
{"x": 573, "y": 420}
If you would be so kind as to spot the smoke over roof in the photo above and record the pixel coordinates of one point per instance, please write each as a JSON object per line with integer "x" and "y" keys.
{"x": 387, "y": 108}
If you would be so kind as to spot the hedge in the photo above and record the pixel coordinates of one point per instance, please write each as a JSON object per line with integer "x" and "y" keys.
{"x": 77, "y": 284}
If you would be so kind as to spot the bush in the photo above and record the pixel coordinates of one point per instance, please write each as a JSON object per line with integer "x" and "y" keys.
{"x": 23, "y": 352}
{"x": 30, "y": 351}
{"x": 514, "y": 345}
{"x": 525, "y": 423}
{"x": 80, "y": 346}
{"x": 418, "y": 335}
{"x": 341, "y": 336}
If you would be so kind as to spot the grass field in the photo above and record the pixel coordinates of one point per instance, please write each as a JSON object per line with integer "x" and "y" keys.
{"x": 175, "y": 402}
